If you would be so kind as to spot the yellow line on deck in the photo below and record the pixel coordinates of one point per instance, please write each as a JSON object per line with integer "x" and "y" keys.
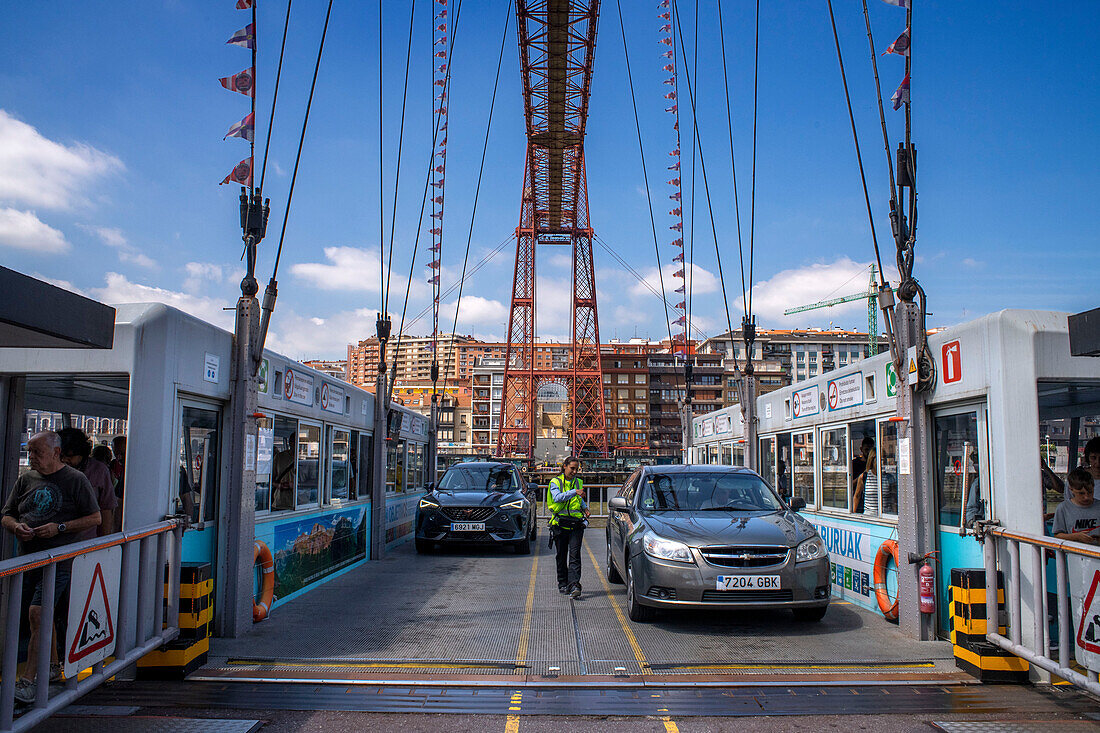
{"x": 638, "y": 655}
{"x": 511, "y": 725}
{"x": 670, "y": 726}
{"x": 521, "y": 651}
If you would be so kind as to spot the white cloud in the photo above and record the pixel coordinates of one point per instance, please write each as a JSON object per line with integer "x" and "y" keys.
{"x": 63, "y": 284}
{"x": 199, "y": 274}
{"x": 484, "y": 318}
{"x": 972, "y": 263}
{"x": 560, "y": 260}
{"x": 24, "y": 230}
{"x": 119, "y": 289}
{"x": 113, "y": 237}
{"x": 348, "y": 268}
{"x": 810, "y": 284}
{"x": 311, "y": 337}
{"x": 36, "y": 171}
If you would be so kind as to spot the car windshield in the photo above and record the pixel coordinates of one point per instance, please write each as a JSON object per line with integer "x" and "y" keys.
{"x": 479, "y": 478}
{"x": 694, "y": 492}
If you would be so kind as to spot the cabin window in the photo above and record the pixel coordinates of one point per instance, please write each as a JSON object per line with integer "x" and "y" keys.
{"x": 366, "y": 472}
{"x": 283, "y": 475}
{"x": 956, "y": 463}
{"x": 767, "y": 460}
{"x": 888, "y": 467}
{"x": 726, "y": 454}
{"x": 783, "y": 465}
{"x": 309, "y": 464}
{"x": 834, "y": 467}
{"x": 339, "y": 460}
{"x": 802, "y": 458}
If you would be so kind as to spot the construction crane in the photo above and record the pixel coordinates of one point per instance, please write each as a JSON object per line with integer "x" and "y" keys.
{"x": 871, "y": 296}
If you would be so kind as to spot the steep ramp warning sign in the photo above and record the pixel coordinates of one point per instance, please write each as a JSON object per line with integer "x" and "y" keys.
{"x": 93, "y": 609}
{"x": 1086, "y": 610}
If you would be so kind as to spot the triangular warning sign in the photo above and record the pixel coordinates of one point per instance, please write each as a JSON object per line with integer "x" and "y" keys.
{"x": 912, "y": 366}
{"x": 1088, "y": 631}
{"x": 95, "y": 630}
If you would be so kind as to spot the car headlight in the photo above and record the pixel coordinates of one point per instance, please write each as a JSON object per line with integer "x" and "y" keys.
{"x": 666, "y": 549}
{"x": 427, "y": 502}
{"x": 517, "y": 504}
{"x": 811, "y": 549}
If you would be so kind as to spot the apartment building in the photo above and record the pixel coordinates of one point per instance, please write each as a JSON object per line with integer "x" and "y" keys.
{"x": 626, "y": 401}
{"x": 797, "y": 355}
{"x": 335, "y": 369}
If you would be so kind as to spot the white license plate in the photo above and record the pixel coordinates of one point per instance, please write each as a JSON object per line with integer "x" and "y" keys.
{"x": 748, "y": 582}
{"x": 468, "y": 527}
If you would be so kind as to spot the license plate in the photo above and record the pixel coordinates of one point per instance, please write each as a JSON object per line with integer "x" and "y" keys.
{"x": 748, "y": 582}
{"x": 468, "y": 527}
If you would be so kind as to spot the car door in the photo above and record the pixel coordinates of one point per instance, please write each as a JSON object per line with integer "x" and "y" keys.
{"x": 619, "y": 523}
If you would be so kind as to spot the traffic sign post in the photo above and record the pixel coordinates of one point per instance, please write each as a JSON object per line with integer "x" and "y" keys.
{"x": 93, "y": 609}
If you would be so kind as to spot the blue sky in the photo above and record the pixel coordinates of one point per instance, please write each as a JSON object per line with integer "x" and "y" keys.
{"x": 111, "y": 152}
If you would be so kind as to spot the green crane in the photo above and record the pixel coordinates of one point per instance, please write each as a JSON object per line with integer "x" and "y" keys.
{"x": 872, "y": 309}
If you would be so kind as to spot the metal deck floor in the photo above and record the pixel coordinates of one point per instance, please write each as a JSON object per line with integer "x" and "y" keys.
{"x": 489, "y": 614}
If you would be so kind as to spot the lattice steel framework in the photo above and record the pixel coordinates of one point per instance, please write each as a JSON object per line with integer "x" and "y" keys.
{"x": 557, "y": 40}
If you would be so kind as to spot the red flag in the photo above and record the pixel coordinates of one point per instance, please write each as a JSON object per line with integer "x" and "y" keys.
{"x": 436, "y": 231}
{"x": 900, "y": 46}
{"x": 678, "y": 258}
{"x": 244, "y": 4}
{"x": 681, "y": 305}
{"x": 243, "y": 82}
{"x": 241, "y": 173}
{"x": 677, "y": 242}
{"x": 901, "y": 96}
{"x": 675, "y": 212}
{"x": 434, "y": 264}
{"x": 674, "y": 182}
{"x": 245, "y": 128}
{"x": 679, "y": 273}
{"x": 671, "y": 95}
{"x": 677, "y": 227}
{"x": 680, "y": 321}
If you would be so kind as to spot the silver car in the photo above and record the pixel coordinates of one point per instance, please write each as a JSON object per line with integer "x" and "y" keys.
{"x": 713, "y": 537}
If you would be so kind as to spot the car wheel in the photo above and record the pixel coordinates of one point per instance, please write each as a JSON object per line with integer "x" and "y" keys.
{"x": 636, "y": 611}
{"x": 612, "y": 574}
{"x": 533, "y": 523}
{"x": 523, "y": 547}
{"x": 809, "y": 614}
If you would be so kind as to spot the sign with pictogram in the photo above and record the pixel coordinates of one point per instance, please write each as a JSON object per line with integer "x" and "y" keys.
{"x": 891, "y": 380}
{"x": 846, "y": 391}
{"x": 332, "y": 398}
{"x": 93, "y": 609}
{"x": 804, "y": 402}
{"x": 951, "y": 354}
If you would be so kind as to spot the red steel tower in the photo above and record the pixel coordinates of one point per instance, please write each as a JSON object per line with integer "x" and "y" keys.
{"x": 557, "y": 40}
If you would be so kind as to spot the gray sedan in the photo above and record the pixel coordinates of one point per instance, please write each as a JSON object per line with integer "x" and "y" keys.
{"x": 713, "y": 537}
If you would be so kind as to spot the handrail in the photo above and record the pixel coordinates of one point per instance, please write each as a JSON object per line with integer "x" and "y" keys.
{"x": 149, "y": 582}
{"x": 1049, "y": 543}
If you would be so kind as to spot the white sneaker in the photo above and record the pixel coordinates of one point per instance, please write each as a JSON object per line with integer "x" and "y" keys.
{"x": 25, "y": 691}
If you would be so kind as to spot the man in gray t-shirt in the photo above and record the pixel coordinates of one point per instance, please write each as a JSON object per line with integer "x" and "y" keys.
{"x": 1078, "y": 519}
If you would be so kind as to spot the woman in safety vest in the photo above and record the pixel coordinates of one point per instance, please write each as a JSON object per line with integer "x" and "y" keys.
{"x": 569, "y": 514}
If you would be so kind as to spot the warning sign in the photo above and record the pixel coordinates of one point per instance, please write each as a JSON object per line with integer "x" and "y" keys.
{"x": 1086, "y": 609}
{"x": 93, "y": 609}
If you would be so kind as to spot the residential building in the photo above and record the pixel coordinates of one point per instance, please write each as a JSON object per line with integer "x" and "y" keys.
{"x": 798, "y": 354}
{"x": 335, "y": 369}
{"x": 626, "y": 400}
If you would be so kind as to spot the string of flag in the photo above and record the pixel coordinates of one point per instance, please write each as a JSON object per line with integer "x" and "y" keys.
{"x": 664, "y": 17}
{"x": 900, "y": 46}
{"x": 243, "y": 82}
{"x": 439, "y": 155}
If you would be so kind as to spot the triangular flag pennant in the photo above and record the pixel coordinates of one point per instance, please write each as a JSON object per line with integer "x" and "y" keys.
{"x": 680, "y": 290}
{"x": 679, "y": 273}
{"x": 244, "y": 4}
{"x": 245, "y": 128}
{"x": 241, "y": 173}
{"x": 243, "y": 82}
{"x": 678, "y": 258}
{"x": 245, "y": 37}
{"x": 680, "y": 321}
{"x": 681, "y": 305}
{"x": 897, "y": 3}
{"x": 901, "y": 96}
{"x": 678, "y": 226}
{"x": 900, "y": 46}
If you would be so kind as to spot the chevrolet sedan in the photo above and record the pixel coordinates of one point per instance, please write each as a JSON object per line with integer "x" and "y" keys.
{"x": 715, "y": 537}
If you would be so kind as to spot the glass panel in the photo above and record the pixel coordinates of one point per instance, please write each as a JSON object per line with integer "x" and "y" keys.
{"x": 264, "y": 444}
{"x": 688, "y": 491}
{"x": 862, "y": 437}
{"x": 395, "y": 466}
{"x": 783, "y": 465}
{"x": 353, "y": 465}
{"x": 339, "y": 459}
{"x": 888, "y": 466}
{"x": 366, "y": 474}
{"x": 284, "y": 452}
{"x": 712, "y": 454}
{"x": 803, "y": 459}
{"x": 726, "y": 458}
{"x": 198, "y": 475}
{"x": 834, "y": 468}
{"x": 956, "y": 437}
{"x": 739, "y": 455}
{"x": 767, "y": 460}
{"x": 309, "y": 464}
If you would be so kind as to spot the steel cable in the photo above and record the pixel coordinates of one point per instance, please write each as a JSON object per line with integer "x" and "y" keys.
{"x": 274, "y": 97}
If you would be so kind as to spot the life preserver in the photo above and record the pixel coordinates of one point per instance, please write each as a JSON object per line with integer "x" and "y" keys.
{"x": 886, "y": 551}
{"x": 262, "y": 555}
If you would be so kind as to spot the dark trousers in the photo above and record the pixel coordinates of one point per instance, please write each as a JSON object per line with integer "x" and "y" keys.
{"x": 568, "y": 544}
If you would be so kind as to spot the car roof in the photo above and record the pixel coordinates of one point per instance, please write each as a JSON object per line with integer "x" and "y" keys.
{"x": 696, "y": 468}
{"x": 479, "y": 464}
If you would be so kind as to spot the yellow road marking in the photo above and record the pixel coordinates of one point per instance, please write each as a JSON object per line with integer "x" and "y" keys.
{"x": 524, "y": 634}
{"x": 786, "y": 665}
{"x": 427, "y": 664}
{"x": 638, "y": 655}
{"x": 670, "y": 726}
{"x": 511, "y": 725}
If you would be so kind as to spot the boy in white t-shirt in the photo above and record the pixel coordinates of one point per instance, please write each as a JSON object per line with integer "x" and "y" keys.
{"x": 1078, "y": 519}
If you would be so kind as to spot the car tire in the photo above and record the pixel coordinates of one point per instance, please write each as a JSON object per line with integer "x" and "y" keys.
{"x": 534, "y": 524}
{"x": 612, "y": 574}
{"x": 423, "y": 547}
{"x": 523, "y": 547}
{"x": 635, "y": 610}
{"x": 809, "y": 615}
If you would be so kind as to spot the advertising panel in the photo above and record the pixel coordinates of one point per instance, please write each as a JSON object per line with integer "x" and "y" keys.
{"x": 307, "y": 550}
{"x": 852, "y": 547}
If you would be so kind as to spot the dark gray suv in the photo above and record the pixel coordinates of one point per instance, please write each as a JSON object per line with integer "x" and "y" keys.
{"x": 713, "y": 537}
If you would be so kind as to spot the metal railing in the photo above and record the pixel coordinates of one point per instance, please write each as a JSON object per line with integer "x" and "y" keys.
{"x": 1039, "y": 548}
{"x": 145, "y": 620}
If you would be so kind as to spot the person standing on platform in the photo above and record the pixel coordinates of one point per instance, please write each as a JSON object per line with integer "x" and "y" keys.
{"x": 76, "y": 451}
{"x": 49, "y": 506}
{"x": 565, "y": 498}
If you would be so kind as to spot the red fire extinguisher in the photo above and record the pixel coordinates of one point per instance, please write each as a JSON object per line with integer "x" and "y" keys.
{"x": 927, "y": 585}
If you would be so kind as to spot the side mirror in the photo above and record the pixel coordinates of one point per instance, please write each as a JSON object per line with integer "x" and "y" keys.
{"x": 430, "y": 486}
{"x": 798, "y": 503}
{"x": 533, "y": 487}
{"x": 618, "y": 504}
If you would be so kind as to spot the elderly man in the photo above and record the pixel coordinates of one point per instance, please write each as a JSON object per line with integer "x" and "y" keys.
{"x": 51, "y": 505}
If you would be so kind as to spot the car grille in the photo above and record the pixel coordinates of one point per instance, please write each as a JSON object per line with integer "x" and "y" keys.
{"x": 469, "y": 536}
{"x": 468, "y": 514}
{"x": 758, "y": 596}
{"x": 758, "y": 556}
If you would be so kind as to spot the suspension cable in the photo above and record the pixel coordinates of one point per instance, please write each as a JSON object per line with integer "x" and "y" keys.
{"x": 470, "y": 273}
{"x": 752, "y": 197}
{"x": 881, "y": 112}
{"x": 477, "y": 191}
{"x": 697, "y": 139}
{"x": 855, "y": 139}
{"x": 381, "y": 183}
{"x": 733, "y": 160}
{"x": 645, "y": 175}
{"x": 694, "y": 139}
{"x": 275, "y": 97}
{"x": 301, "y": 141}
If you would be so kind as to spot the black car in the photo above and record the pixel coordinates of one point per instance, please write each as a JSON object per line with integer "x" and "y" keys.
{"x": 478, "y": 503}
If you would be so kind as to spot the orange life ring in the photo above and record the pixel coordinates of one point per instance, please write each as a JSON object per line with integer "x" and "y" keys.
{"x": 886, "y": 551}
{"x": 262, "y": 555}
